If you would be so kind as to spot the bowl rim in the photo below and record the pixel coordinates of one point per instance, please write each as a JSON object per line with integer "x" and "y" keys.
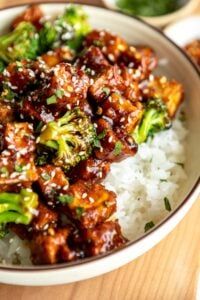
{"x": 41, "y": 268}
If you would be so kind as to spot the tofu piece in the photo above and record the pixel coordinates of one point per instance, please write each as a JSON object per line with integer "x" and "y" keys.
{"x": 193, "y": 50}
{"x": 115, "y": 144}
{"x": 93, "y": 62}
{"x": 171, "y": 92}
{"x": 114, "y": 79}
{"x": 32, "y": 14}
{"x": 111, "y": 45}
{"x": 103, "y": 238}
{"x": 110, "y": 80}
{"x": 19, "y": 138}
{"x": 15, "y": 169}
{"x": 6, "y": 113}
{"x": 88, "y": 204}
{"x": 91, "y": 169}
{"x": 69, "y": 86}
{"x": 45, "y": 219}
{"x": 51, "y": 182}
{"x": 123, "y": 112}
{"x": 51, "y": 247}
{"x": 52, "y": 58}
{"x": 140, "y": 60}
{"x": 17, "y": 159}
{"x": 19, "y": 76}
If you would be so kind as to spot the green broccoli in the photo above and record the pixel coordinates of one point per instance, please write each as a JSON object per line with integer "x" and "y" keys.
{"x": 47, "y": 37}
{"x": 2, "y": 66}
{"x": 22, "y": 42}
{"x": 68, "y": 29}
{"x": 155, "y": 118}
{"x": 71, "y": 137}
{"x": 17, "y": 208}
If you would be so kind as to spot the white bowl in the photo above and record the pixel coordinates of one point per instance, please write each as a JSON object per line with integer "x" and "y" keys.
{"x": 180, "y": 68}
{"x": 160, "y": 21}
{"x": 184, "y": 31}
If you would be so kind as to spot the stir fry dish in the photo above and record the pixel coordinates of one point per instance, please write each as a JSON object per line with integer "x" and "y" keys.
{"x": 193, "y": 50}
{"x": 73, "y": 100}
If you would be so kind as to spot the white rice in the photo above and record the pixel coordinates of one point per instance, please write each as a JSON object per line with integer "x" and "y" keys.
{"x": 141, "y": 183}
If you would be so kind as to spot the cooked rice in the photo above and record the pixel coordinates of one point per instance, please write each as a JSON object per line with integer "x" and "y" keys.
{"x": 141, "y": 183}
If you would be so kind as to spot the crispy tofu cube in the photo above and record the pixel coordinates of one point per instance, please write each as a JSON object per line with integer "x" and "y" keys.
{"x": 193, "y": 49}
{"x": 88, "y": 204}
{"x": 32, "y": 14}
{"x": 19, "y": 138}
{"x": 115, "y": 144}
{"x": 107, "y": 82}
{"x": 51, "y": 248}
{"x": 111, "y": 45}
{"x": 45, "y": 218}
{"x": 6, "y": 113}
{"x": 16, "y": 169}
{"x": 17, "y": 158}
{"x": 122, "y": 111}
{"x": 69, "y": 85}
{"x": 52, "y": 58}
{"x": 171, "y": 92}
{"x": 51, "y": 182}
{"x": 140, "y": 60}
{"x": 103, "y": 238}
{"x": 92, "y": 61}
{"x": 90, "y": 169}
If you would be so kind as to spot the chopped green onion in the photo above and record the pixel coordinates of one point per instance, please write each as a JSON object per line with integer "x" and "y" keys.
{"x": 4, "y": 171}
{"x": 51, "y": 100}
{"x": 19, "y": 168}
{"x": 118, "y": 148}
{"x": 66, "y": 198}
{"x": 148, "y": 226}
{"x": 45, "y": 176}
{"x": 180, "y": 164}
{"x": 106, "y": 91}
{"x": 79, "y": 211}
{"x": 101, "y": 135}
{"x": 167, "y": 204}
{"x": 96, "y": 143}
{"x": 59, "y": 93}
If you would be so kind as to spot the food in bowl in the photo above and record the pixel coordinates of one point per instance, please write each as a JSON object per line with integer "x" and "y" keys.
{"x": 193, "y": 50}
{"x": 76, "y": 106}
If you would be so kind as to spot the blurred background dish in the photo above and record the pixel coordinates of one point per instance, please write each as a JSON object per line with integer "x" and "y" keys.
{"x": 186, "y": 34}
{"x": 158, "y": 13}
{"x": 184, "y": 31}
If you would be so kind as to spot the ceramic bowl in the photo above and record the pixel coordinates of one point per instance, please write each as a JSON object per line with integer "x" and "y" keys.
{"x": 161, "y": 21}
{"x": 178, "y": 67}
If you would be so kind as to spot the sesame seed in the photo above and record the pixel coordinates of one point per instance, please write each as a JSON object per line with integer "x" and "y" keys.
{"x": 84, "y": 195}
{"x": 91, "y": 200}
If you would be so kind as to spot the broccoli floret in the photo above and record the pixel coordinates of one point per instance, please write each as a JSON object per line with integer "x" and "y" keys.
{"x": 22, "y": 42}
{"x": 71, "y": 137}
{"x": 68, "y": 29}
{"x": 47, "y": 37}
{"x": 155, "y": 118}
{"x": 17, "y": 208}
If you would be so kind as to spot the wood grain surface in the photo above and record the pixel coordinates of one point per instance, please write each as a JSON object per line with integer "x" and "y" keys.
{"x": 169, "y": 271}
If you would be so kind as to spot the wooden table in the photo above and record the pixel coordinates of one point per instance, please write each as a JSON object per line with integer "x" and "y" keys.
{"x": 169, "y": 271}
